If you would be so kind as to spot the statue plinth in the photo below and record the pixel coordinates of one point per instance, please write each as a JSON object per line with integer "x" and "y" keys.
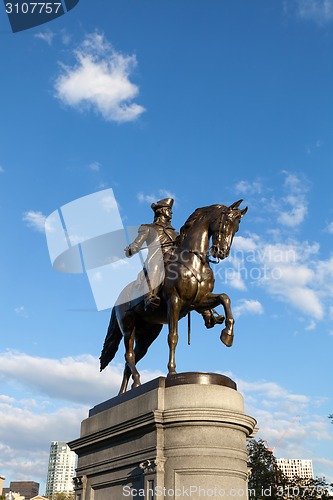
{"x": 183, "y": 435}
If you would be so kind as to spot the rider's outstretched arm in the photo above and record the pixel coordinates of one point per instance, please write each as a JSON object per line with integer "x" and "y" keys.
{"x": 134, "y": 247}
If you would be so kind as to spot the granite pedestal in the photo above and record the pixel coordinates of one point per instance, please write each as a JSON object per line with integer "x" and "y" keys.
{"x": 182, "y": 436}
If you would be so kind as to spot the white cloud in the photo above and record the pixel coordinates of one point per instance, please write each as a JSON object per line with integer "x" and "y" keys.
{"x": 165, "y": 193}
{"x": 319, "y": 11}
{"x": 248, "y": 188}
{"x": 289, "y": 274}
{"x": 23, "y": 425}
{"x": 35, "y": 220}
{"x": 24, "y": 464}
{"x": 26, "y": 431}
{"x": 287, "y": 268}
{"x": 264, "y": 390}
{"x": 248, "y": 307}
{"x": 290, "y": 270}
{"x": 311, "y": 326}
{"x": 72, "y": 379}
{"x": 21, "y": 311}
{"x": 65, "y": 37}
{"x": 148, "y": 198}
{"x": 75, "y": 379}
{"x": 287, "y": 421}
{"x": 95, "y": 166}
{"x": 242, "y": 244}
{"x": 295, "y": 216}
{"x": 305, "y": 300}
{"x": 152, "y": 198}
{"x": 47, "y": 36}
{"x": 325, "y": 461}
{"x": 235, "y": 279}
{"x": 293, "y": 207}
{"x": 100, "y": 80}
{"x": 329, "y": 228}
{"x": 27, "y": 426}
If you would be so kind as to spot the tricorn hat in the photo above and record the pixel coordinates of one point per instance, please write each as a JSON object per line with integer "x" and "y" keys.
{"x": 167, "y": 202}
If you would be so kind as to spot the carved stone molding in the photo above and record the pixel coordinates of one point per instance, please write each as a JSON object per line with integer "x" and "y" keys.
{"x": 152, "y": 466}
{"x": 79, "y": 482}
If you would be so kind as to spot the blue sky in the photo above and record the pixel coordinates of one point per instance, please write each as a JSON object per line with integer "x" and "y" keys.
{"x": 208, "y": 102}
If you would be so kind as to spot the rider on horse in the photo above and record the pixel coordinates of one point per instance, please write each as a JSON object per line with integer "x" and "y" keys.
{"x": 159, "y": 237}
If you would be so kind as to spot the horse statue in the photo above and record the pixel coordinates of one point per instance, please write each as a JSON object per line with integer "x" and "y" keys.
{"x": 188, "y": 285}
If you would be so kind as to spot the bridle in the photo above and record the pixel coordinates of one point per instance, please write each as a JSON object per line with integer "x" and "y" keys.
{"x": 221, "y": 223}
{"x": 205, "y": 257}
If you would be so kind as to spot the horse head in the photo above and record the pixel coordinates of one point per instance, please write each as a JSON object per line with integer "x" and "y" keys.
{"x": 224, "y": 227}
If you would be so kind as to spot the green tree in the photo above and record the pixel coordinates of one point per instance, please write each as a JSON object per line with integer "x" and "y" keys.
{"x": 308, "y": 489}
{"x": 266, "y": 480}
{"x": 63, "y": 496}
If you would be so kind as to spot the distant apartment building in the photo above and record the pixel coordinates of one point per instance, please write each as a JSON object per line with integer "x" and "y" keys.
{"x": 61, "y": 469}
{"x": 294, "y": 467}
{"x": 27, "y": 489}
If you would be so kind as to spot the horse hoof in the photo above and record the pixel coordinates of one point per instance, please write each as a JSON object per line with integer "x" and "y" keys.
{"x": 227, "y": 338}
{"x": 135, "y": 384}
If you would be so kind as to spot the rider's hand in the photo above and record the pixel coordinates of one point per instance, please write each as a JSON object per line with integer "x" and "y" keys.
{"x": 128, "y": 251}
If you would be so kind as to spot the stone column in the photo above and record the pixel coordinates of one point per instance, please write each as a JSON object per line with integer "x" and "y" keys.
{"x": 175, "y": 437}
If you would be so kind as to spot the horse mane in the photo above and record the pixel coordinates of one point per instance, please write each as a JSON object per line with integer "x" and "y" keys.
{"x": 198, "y": 215}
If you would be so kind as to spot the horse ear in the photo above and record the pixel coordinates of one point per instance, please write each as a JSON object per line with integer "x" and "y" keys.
{"x": 243, "y": 212}
{"x": 236, "y": 204}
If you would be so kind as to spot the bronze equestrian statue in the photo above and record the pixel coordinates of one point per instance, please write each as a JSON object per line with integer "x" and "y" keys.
{"x": 188, "y": 285}
{"x": 159, "y": 238}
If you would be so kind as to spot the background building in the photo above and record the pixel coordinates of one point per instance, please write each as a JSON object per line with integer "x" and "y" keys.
{"x": 61, "y": 469}
{"x": 12, "y": 495}
{"x": 27, "y": 489}
{"x": 293, "y": 467}
{"x": 2, "y": 479}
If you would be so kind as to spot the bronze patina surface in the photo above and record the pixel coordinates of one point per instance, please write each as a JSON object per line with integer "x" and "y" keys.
{"x": 188, "y": 283}
{"x": 201, "y": 378}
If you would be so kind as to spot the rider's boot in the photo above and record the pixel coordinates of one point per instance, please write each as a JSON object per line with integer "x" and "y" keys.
{"x": 211, "y": 319}
{"x": 152, "y": 301}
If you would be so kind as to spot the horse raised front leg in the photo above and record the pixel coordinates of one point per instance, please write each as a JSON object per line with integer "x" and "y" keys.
{"x": 173, "y": 316}
{"x": 227, "y": 335}
{"x": 213, "y": 300}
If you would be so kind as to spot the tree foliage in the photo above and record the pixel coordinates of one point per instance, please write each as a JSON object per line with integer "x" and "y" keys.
{"x": 267, "y": 481}
{"x": 63, "y": 496}
{"x": 309, "y": 489}
{"x": 264, "y": 474}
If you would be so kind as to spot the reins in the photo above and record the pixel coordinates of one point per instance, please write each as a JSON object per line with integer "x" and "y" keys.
{"x": 219, "y": 234}
{"x": 205, "y": 258}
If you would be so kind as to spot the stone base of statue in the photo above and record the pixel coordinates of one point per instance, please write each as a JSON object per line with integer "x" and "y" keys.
{"x": 175, "y": 437}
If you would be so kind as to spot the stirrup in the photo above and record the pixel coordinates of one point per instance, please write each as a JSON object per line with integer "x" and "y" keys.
{"x": 152, "y": 302}
{"x": 213, "y": 319}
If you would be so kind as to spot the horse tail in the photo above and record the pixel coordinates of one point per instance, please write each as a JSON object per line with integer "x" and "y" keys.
{"x": 111, "y": 342}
